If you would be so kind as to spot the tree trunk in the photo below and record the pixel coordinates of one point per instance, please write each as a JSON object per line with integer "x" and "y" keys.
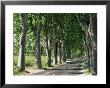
{"x": 21, "y": 60}
{"x": 68, "y": 52}
{"x": 90, "y": 54}
{"x": 38, "y": 51}
{"x": 91, "y": 34}
{"x": 55, "y": 52}
{"x": 48, "y": 48}
{"x": 63, "y": 53}
{"x": 60, "y": 53}
{"x": 93, "y": 28}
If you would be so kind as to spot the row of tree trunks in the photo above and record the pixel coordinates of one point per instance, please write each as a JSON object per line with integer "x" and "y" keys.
{"x": 90, "y": 40}
{"x": 63, "y": 52}
{"x": 59, "y": 52}
{"x": 21, "y": 60}
{"x": 92, "y": 44}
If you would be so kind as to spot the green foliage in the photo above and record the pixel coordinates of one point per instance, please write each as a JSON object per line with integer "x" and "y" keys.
{"x": 44, "y": 61}
{"x": 60, "y": 26}
{"x": 63, "y": 28}
{"x": 16, "y": 70}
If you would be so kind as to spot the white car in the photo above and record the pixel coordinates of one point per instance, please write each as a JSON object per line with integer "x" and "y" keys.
{"x": 68, "y": 61}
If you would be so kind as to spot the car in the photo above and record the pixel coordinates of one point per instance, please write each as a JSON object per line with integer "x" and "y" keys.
{"x": 68, "y": 61}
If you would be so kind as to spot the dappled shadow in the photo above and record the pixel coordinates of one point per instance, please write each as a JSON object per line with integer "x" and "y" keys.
{"x": 66, "y": 69}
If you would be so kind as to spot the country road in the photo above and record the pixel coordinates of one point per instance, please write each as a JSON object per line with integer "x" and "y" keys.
{"x": 66, "y": 69}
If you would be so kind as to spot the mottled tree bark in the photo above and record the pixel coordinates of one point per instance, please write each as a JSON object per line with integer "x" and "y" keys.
{"x": 91, "y": 35}
{"x": 60, "y": 53}
{"x": 56, "y": 52}
{"x": 93, "y": 28}
{"x": 38, "y": 51}
{"x": 63, "y": 53}
{"x": 48, "y": 48}
{"x": 21, "y": 59}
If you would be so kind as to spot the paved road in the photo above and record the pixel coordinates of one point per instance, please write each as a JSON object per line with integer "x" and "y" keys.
{"x": 67, "y": 69}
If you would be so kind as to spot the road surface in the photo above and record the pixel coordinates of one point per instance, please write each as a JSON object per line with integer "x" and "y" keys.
{"x": 66, "y": 69}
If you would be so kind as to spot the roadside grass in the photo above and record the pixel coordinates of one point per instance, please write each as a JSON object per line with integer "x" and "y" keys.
{"x": 30, "y": 64}
{"x": 87, "y": 72}
{"x": 29, "y": 61}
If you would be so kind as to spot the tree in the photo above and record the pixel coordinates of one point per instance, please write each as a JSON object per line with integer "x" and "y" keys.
{"x": 88, "y": 22}
{"x": 21, "y": 60}
{"x": 69, "y": 35}
{"x": 38, "y": 31}
{"x": 93, "y": 34}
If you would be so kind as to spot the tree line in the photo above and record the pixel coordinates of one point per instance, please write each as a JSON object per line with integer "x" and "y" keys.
{"x": 63, "y": 35}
